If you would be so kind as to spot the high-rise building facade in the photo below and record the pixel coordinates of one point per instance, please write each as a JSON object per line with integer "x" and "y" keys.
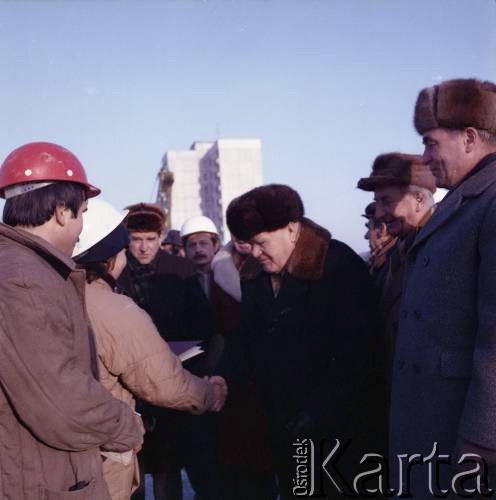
{"x": 205, "y": 178}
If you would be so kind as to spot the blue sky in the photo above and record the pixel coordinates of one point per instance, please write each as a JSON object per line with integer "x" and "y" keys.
{"x": 326, "y": 85}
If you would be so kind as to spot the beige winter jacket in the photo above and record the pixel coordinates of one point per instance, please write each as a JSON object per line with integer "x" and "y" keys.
{"x": 54, "y": 414}
{"x": 135, "y": 361}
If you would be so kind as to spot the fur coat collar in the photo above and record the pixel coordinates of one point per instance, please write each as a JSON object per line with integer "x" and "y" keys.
{"x": 308, "y": 258}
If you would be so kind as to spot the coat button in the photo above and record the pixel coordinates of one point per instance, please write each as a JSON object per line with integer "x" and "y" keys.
{"x": 417, "y": 314}
{"x": 416, "y": 369}
{"x": 405, "y": 313}
{"x": 400, "y": 364}
{"x": 426, "y": 261}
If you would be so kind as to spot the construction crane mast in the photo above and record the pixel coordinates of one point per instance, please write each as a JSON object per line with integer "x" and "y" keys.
{"x": 164, "y": 193}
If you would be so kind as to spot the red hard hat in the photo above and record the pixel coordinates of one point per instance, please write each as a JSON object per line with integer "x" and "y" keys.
{"x": 43, "y": 162}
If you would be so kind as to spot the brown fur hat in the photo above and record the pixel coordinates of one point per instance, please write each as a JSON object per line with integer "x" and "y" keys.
{"x": 398, "y": 169}
{"x": 145, "y": 217}
{"x": 457, "y": 104}
{"x": 265, "y": 208}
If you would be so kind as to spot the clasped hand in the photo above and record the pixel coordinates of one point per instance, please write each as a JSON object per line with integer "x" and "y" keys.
{"x": 219, "y": 391}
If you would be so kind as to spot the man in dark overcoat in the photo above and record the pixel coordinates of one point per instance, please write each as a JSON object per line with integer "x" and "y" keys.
{"x": 403, "y": 188}
{"x": 308, "y": 337}
{"x": 158, "y": 282}
{"x": 153, "y": 277}
{"x": 444, "y": 372}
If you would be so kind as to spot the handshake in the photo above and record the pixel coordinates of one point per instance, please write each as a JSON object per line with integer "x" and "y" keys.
{"x": 218, "y": 392}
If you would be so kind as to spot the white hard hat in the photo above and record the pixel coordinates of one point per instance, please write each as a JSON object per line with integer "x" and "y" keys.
{"x": 198, "y": 224}
{"x": 99, "y": 220}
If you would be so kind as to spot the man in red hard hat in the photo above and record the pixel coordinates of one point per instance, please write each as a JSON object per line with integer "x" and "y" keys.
{"x": 55, "y": 415}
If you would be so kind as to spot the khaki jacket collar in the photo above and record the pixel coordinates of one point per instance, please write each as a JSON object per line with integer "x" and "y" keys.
{"x": 57, "y": 259}
{"x": 100, "y": 284}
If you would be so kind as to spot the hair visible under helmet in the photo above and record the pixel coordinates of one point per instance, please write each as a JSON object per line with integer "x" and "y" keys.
{"x": 36, "y": 207}
{"x": 36, "y": 178}
{"x": 103, "y": 237}
{"x": 103, "y": 234}
{"x": 264, "y": 209}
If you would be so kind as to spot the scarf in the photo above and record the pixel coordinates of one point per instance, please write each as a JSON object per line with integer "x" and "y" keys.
{"x": 141, "y": 276}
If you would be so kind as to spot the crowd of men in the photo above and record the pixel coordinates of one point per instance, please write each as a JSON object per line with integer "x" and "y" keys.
{"x": 437, "y": 287}
{"x": 392, "y": 357}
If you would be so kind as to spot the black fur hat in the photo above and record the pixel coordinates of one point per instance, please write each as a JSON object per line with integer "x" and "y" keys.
{"x": 263, "y": 209}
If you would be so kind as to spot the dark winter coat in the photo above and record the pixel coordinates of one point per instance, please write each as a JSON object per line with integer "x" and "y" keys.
{"x": 248, "y": 448}
{"x": 314, "y": 351}
{"x": 392, "y": 286}
{"x": 174, "y": 303}
{"x": 180, "y": 311}
{"x": 444, "y": 372}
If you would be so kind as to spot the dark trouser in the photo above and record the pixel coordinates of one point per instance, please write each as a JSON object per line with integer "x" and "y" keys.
{"x": 203, "y": 467}
{"x": 166, "y": 486}
{"x": 165, "y": 451}
{"x": 241, "y": 483}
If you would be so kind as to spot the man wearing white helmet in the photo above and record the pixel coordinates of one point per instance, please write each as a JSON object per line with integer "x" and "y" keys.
{"x": 201, "y": 243}
{"x": 55, "y": 415}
